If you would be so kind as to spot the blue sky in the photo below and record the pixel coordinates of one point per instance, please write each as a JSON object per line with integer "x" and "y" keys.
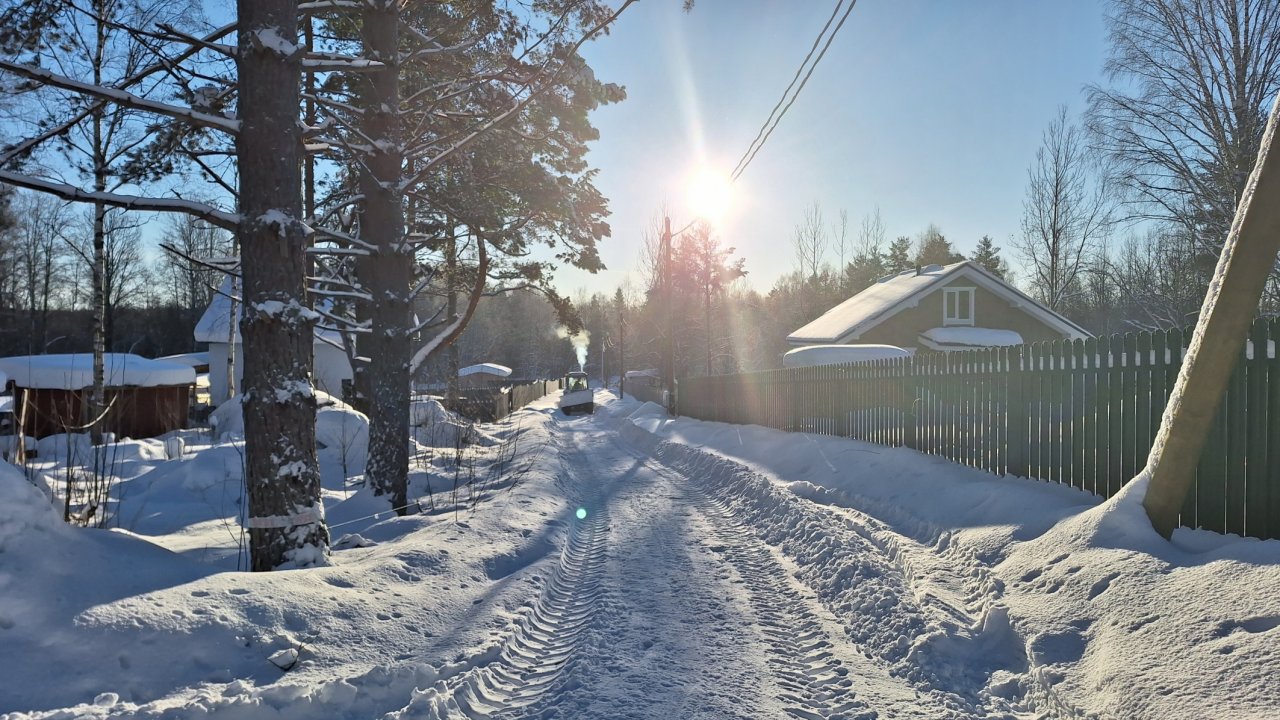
{"x": 930, "y": 110}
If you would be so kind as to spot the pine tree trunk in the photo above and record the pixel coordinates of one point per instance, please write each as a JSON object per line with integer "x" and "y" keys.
{"x": 286, "y": 519}
{"x": 386, "y": 272}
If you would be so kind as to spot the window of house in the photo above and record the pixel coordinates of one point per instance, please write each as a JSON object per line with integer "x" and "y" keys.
{"x": 957, "y": 306}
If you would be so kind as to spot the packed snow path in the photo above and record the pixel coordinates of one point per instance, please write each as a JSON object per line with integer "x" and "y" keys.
{"x": 663, "y": 605}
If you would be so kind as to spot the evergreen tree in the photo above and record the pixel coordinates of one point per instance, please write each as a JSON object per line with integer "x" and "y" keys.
{"x": 899, "y": 256}
{"x": 933, "y": 248}
{"x": 987, "y": 255}
{"x": 864, "y": 270}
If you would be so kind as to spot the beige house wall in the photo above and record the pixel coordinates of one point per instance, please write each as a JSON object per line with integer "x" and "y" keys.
{"x": 989, "y": 311}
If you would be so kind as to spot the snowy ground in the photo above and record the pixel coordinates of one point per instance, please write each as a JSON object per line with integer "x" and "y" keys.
{"x": 628, "y": 565}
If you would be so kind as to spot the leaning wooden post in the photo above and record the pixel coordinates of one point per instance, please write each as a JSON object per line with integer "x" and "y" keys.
{"x": 1248, "y": 255}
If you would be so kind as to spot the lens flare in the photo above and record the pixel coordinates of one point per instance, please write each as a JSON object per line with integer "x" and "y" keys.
{"x": 708, "y": 194}
{"x": 582, "y": 513}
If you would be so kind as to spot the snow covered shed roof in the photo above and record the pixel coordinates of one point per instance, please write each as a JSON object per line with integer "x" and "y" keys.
{"x": 848, "y": 320}
{"x": 815, "y": 355}
{"x": 489, "y": 368}
{"x": 4, "y": 380}
{"x": 649, "y": 373}
{"x": 194, "y": 359}
{"x": 957, "y": 337}
{"x": 75, "y": 371}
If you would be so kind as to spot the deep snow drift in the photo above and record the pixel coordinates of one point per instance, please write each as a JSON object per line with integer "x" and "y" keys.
{"x": 627, "y": 565}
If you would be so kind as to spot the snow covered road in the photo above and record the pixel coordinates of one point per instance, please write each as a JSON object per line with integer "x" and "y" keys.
{"x": 688, "y": 614}
{"x": 629, "y": 565}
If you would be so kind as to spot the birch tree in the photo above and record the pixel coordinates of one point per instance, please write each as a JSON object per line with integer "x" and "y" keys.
{"x": 1066, "y": 214}
{"x": 1191, "y": 84}
{"x": 285, "y": 518}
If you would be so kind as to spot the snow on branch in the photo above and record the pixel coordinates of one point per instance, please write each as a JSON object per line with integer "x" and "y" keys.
{"x": 451, "y": 331}
{"x": 326, "y": 5}
{"x": 121, "y": 97}
{"x": 326, "y": 62}
{"x": 208, "y": 213}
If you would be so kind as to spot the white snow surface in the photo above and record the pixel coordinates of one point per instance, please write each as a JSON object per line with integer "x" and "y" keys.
{"x": 490, "y": 368}
{"x": 972, "y": 336}
{"x": 4, "y": 380}
{"x": 631, "y": 565}
{"x": 816, "y": 355}
{"x": 75, "y": 371}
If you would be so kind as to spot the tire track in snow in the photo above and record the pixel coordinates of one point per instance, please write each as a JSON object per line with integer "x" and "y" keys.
{"x": 816, "y": 684}
{"x": 540, "y": 647}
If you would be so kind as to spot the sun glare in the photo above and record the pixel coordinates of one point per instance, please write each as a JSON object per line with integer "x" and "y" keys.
{"x": 708, "y": 194}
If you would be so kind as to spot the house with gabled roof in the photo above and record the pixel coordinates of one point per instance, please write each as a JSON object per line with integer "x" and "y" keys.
{"x": 938, "y": 307}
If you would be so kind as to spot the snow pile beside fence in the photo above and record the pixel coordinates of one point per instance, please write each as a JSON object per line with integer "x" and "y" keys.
{"x": 1095, "y": 599}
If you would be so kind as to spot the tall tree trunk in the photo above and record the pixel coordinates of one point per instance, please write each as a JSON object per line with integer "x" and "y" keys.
{"x": 97, "y": 396}
{"x": 386, "y": 271}
{"x": 451, "y": 310}
{"x": 286, "y": 518}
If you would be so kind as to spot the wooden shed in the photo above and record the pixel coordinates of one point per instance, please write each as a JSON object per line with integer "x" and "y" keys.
{"x": 144, "y": 397}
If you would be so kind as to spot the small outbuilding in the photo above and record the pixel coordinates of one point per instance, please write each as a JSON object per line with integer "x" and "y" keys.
{"x": 144, "y": 397}
{"x": 483, "y": 376}
{"x": 219, "y": 326}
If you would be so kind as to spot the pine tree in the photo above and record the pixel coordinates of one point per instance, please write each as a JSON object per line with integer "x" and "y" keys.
{"x": 934, "y": 248}
{"x": 899, "y": 256}
{"x": 987, "y": 255}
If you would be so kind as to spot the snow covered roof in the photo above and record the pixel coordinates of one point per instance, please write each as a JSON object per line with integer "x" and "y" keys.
{"x": 214, "y": 326}
{"x": 490, "y": 368}
{"x": 649, "y": 373}
{"x": 195, "y": 359}
{"x": 848, "y": 320}
{"x": 6, "y": 403}
{"x": 815, "y": 355}
{"x": 4, "y": 380}
{"x": 75, "y": 371}
{"x": 938, "y": 337}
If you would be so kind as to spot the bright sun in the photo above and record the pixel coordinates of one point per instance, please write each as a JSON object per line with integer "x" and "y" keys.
{"x": 708, "y": 194}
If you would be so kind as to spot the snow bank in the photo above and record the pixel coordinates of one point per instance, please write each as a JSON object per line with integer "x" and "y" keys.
{"x": 26, "y": 516}
{"x": 340, "y": 428}
{"x": 1041, "y": 593}
{"x": 436, "y": 426}
{"x": 815, "y": 355}
{"x": 75, "y": 371}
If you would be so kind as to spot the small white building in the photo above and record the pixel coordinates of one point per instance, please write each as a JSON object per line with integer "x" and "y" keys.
{"x": 216, "y": 327}
{"x": 483, "y": 375}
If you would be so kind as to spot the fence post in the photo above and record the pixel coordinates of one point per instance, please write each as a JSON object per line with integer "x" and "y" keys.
{"x": 1018, "y": 439}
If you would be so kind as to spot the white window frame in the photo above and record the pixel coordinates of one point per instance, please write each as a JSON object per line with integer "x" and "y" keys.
{"x": 946, "y": 303}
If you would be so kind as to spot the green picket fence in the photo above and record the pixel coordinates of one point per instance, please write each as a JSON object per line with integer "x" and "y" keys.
{"x": 1082, "y": 413}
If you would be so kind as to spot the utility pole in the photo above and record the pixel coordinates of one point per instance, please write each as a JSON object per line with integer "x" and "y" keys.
{"x": 668, "y": 371}
{"x": 1248, "y": 255}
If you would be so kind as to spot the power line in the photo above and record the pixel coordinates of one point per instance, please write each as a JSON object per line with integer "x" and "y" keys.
{"x": 771, "y": 123}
